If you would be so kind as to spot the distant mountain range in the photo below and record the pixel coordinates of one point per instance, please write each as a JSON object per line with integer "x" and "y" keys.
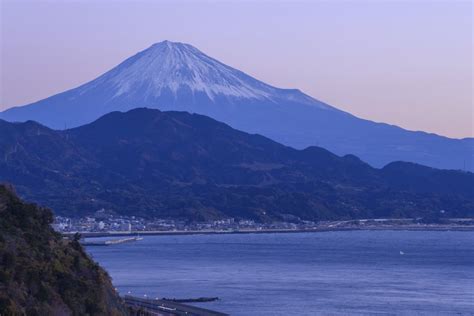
{"x": 176, "y": 76}
{"x": 175, "y": 164}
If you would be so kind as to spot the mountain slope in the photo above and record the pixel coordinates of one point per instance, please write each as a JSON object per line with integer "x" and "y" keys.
{"x": 41, "y": 274}
{"x": 175, "y": 164}
{"x": 176, "y": 76}
{"x": 166, "y": 75}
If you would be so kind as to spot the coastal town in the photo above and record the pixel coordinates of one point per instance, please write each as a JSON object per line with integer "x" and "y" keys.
{"x": 103, "y": 223}
{"x": 100, "y": 223}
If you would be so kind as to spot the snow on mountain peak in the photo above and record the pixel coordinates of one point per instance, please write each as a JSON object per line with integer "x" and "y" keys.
{"x": 175, "y": 66}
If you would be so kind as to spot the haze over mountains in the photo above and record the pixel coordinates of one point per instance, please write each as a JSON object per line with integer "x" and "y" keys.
{"x": 176, "y": 76}
{"x": 175, "y": 164}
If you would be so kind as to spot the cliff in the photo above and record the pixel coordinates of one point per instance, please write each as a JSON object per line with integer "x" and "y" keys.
{"x": 43, "y": 274}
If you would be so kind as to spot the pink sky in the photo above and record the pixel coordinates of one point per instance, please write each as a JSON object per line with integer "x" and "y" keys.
{"x": 404, "y": 62}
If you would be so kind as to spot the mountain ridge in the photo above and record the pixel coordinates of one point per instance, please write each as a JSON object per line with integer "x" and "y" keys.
{"x": 176, "y": 164}
{"x": 176, "y": 76}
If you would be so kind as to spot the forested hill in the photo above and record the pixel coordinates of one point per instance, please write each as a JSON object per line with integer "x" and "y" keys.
{"x": 175, "y": 164}
{"x": 179, "y": 77}
{"x": 42, "y": 274}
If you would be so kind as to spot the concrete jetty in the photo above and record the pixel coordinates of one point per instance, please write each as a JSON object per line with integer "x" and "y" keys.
{"x": 111, "y": 241}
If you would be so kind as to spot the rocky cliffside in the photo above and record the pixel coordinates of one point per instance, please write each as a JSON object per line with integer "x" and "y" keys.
{"x": 43, "y": 274}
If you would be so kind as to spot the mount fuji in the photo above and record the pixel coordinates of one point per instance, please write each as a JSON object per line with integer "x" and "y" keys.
{"x": 177, "y": 76}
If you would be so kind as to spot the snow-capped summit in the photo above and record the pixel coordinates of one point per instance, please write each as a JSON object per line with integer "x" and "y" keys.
{"x": 167, "y": 75}
{"x": 177, "y": 76}
{"x": 174, "y": 66}
{"x": 171, "y": 72}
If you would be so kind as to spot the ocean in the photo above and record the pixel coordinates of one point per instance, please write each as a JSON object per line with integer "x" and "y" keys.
{"x": 327, "y": 273}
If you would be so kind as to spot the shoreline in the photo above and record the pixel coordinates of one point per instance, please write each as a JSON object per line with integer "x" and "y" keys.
{"x": 273, "y": 231}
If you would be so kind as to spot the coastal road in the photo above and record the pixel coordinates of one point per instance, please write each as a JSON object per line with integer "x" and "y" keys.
{"x": 167, "y": 308}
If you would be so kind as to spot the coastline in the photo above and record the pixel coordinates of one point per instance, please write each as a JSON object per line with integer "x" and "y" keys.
{"x": 342, "y": 264}
{"x": 276, "y": 231}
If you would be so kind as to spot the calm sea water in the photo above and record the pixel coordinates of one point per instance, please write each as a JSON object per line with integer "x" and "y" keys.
{"x": 331, "y": 273}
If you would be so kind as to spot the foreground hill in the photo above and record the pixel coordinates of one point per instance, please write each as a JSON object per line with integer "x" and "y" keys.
{"x": 40, "y": 273}
{"x": 177, "y": 76}
{"x": 175, "y": 164}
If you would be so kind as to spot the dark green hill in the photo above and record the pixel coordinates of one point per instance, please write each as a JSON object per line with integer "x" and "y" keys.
{"x": 175, "y": 164}
{"x": 42, "y": 274}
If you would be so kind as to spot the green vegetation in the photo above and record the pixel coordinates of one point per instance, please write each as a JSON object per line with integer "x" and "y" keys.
{"x": 42, "y": 274}
{"x": 180, "y": 165}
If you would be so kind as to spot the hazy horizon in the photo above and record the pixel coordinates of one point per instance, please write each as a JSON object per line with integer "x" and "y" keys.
{"x": 408, "y": 64}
